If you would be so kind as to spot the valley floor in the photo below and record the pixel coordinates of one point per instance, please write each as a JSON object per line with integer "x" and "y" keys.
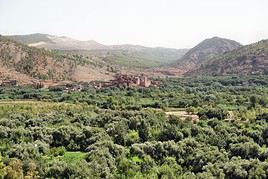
{"x": 138, "y": 132}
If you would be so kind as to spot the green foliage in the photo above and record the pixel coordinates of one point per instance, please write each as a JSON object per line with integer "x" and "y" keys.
{"x": 73, "y": 157}
{"x": 95, "y": 133}
{"x": 2, "y": 167}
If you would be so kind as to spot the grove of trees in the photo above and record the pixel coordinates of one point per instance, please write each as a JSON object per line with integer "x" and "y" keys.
{"x": 125, "y": 133}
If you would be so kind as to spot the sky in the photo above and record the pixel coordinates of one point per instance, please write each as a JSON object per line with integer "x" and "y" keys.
{"x": 166, "y": 23}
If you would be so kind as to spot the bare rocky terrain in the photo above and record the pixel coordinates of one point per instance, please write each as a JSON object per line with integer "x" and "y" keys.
{"x": 27, "y": 64}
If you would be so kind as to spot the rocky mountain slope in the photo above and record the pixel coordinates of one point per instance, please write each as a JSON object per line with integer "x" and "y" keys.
{"x": 25, "y": 64}
{"x": 250, "y": 59}
{"x": 206, "y": 50}
{"x": 17, "y": 59}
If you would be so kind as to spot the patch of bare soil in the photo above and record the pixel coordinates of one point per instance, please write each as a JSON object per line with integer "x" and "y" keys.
{"x": 183, "y": 115}
{"x": 22, "y": 79}
{"x": 89, "y": 73}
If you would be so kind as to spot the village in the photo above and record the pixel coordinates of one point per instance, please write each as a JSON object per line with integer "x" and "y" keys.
{"x": 126, "y": 80}
{"x": 120, "y": 80}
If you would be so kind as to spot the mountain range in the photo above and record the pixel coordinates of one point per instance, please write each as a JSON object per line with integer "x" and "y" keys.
{"x": 43, "y": 56}
{"x": 55, "y": 42}
{"x": 123, "y": 55}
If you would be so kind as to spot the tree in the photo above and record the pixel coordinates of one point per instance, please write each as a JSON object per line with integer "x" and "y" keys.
{"x": 14, "y": 170}
{"x": 254, "y": 100}
{"x": 245, "y": 150}
{"x": 128, "y": 168}
{"x": 132, "y": 137}
{"x": 2, "y": 168}
{"x": 143, "y": 131}
{"x": 32, "y": 172}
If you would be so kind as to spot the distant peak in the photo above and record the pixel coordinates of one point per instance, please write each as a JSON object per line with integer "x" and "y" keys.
{"x": 216, "y": 37}
{"x": 35, "y": 34}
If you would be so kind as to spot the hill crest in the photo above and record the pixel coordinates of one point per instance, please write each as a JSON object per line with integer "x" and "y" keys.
{"x": 249, "y": 59}
{"x": 206, "y": 50}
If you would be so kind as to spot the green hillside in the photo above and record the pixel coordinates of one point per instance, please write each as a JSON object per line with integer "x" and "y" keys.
{"x": 142, "y": 58}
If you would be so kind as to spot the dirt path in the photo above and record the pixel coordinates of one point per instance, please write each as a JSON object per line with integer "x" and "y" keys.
{"x": 33, "y": 102}
{"x": 20, "y": 102}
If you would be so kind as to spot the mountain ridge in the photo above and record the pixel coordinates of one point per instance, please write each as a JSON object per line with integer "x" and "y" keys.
{"x": 38, "y": 37}
{"x": 56, "y": 42}
{"x": 125, "y": 55}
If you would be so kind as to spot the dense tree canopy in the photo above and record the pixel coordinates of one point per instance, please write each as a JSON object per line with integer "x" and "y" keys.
{"x": 125, "y": 133}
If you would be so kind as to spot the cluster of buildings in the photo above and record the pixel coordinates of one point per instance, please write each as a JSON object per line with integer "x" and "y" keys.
{"x": 120, "y": 80}
{"x": 8, "y": 83}
{"x": 125, "y": 80}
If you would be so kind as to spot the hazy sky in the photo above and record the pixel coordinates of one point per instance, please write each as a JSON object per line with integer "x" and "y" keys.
{"x": 168, "y": 23}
